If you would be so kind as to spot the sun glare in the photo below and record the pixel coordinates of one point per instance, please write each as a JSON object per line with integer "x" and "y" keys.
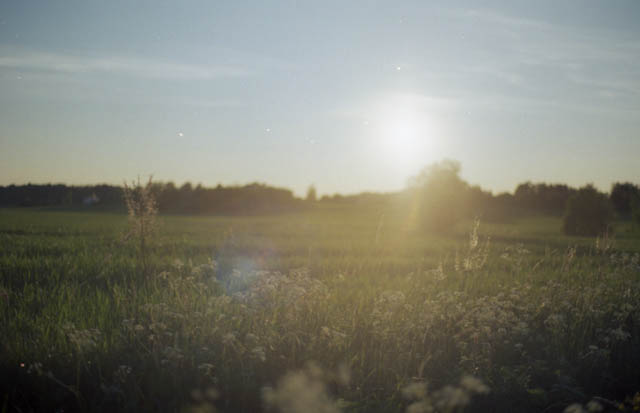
{"x": 404, "y": 132}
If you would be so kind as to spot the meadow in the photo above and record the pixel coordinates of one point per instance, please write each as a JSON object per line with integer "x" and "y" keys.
{"x": 332, "y": 309}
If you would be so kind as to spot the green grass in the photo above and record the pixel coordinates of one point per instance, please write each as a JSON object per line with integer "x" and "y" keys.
{"x": 281, "y": 310}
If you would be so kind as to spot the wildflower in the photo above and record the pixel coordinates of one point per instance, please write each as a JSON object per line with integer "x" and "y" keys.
{"x": 206, "y": 368}
{"x": 474, "y": 385}
{"x": 555, "y": 321}
{"x": 449, "y": 398}
{"x": 575, "y": 408}
{"x": 259, "y": 354}
{"x": 438, "y": 273}
{"x": 211, "y": 393}
{"x": 83, "y": 340}
{"x": 619, "y": 334}
{"x": 228, "y": 339}
{"x": 251, "y": 339}
{"x": 594, "y": 406}
{"x": 300, "y": 392}
{"x": 421, "y": 406}
{"x": 122, "y": 373}
{"x": 172, "y": 354}
{"x": 34, "y": 368}
{"x": 416, "y": 390}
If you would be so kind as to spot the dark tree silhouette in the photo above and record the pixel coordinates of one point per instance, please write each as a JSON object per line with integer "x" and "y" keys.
{"x": 623, "y": 196}
{"x": 588, "y": 213}
{"x": 234, "y": 200}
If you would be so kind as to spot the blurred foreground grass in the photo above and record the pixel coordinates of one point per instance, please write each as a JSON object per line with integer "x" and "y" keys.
{"x": 332, "y": 309}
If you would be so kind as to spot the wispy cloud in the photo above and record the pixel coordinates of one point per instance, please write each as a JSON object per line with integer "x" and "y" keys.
{"x": 539, "y": 60}
{"x": 535, "y": 41}
{"x": 500, "y": 18}
{"x": 118, "y": 65}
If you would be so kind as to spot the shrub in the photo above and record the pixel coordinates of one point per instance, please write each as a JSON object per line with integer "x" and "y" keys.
{"x": 441, "y": 196}
{"x": 588, "y": 212}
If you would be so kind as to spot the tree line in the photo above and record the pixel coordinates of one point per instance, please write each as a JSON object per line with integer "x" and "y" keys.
{"x": 443, "y": 199}
{"x": 254, "y": 198}
{"x": 438, "y": 192}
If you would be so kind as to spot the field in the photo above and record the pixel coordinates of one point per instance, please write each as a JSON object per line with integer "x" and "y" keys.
{"x": 334, "y": 309}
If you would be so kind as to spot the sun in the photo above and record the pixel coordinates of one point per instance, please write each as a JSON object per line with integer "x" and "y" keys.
{"x": 401, "y": 136}
{"x": 404, "y": 131}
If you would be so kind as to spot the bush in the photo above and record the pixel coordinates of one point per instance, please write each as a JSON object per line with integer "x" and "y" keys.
{"x": 588, "y": 212}
{"x": 441, "y": 196}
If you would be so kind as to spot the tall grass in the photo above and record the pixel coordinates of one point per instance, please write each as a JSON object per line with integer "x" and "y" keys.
{"x": 482, "y": 326}
{"x": 142, "y": 210}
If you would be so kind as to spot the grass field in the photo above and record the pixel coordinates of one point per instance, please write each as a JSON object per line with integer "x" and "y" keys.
{"x": 328, "y": 310}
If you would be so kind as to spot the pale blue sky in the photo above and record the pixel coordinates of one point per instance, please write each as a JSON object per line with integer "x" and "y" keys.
{"x": 294, "y": 93}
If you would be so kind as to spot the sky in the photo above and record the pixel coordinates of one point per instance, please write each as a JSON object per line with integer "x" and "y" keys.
{"x": 349, "y": 96}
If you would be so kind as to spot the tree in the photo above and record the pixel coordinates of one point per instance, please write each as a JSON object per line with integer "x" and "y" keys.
{"x": 588, "y": 213}
{"x": 622, "y": 197}
{"x": 311, "y": 194}
{"x": 440, "y": 195}
{"x": 542, "y": 197}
